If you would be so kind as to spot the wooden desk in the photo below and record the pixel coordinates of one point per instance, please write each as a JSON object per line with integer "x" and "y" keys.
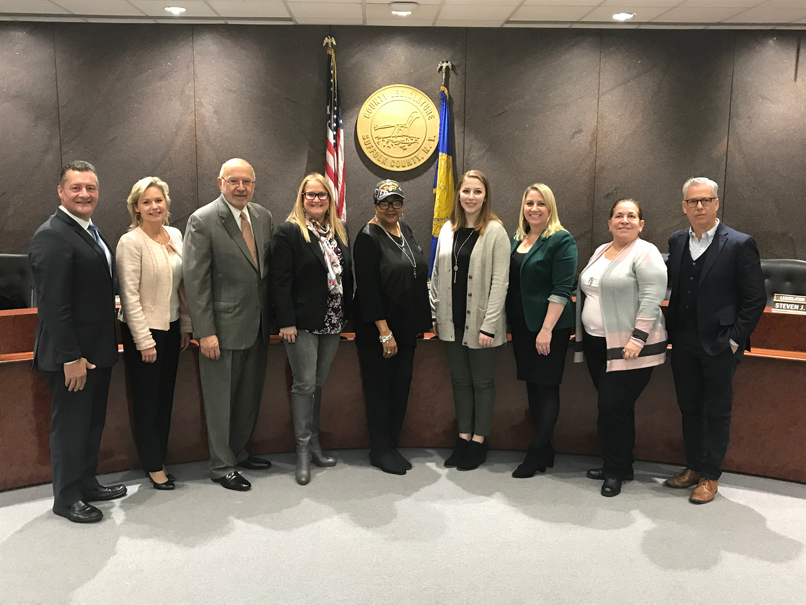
{"x": 767, "y": 433}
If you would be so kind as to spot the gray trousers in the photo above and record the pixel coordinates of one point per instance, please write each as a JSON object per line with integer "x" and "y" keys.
{"x": 232, "y": 386}
{"x": 472, "y": 372}
{"x": 310, "y": 358}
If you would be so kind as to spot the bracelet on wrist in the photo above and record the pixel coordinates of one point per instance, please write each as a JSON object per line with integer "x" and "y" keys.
{"x": 386, "y": 338}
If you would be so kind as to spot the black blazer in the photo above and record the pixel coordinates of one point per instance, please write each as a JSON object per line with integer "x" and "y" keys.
{"x": 76, "y": 296}
{"x": 299, "y": 279}
{"x": 731, "y": 295}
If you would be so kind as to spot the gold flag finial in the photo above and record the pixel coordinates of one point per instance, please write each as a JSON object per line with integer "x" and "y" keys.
{"x": 444, "y": 67}
{"x": 330, "y": 42}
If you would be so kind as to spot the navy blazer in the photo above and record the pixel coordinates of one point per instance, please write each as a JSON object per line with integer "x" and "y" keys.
{"x": 731, "y": 296}
{"x": 299, "y": 279}
{"x": 76, "y": 296}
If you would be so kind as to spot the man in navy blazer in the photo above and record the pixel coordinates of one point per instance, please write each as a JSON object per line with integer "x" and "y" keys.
{"x": 717, "y": 299}
{"x": 76, "y": 343}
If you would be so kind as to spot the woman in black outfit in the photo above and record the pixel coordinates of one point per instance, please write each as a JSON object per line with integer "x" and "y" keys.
{"x": 390, "y": 310}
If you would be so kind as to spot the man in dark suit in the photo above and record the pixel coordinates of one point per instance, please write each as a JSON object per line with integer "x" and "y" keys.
{"x": 226, "y": 269}
{"x": 717, "y": 299}
{"x": 76, "y": 344}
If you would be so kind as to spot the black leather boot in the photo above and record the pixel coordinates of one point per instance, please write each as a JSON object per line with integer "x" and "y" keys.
{"x": 459, "y": 451}
{"x": 475, "y": 456}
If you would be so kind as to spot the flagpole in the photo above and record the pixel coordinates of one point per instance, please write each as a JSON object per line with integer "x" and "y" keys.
{"x": 443, "y": 174}
{"x": 334, "y": 151}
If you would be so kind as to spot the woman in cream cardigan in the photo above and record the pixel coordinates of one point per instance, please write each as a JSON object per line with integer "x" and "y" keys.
{"x": 155, "y": 325}
{"x": 468, "y": 293}
{"x": 621, "y": 332}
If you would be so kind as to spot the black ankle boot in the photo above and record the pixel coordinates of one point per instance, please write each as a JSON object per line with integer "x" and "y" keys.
{"x": 537, "y": 459}
{"x": 475, "y": 456}
{"x": 459, "y": 451}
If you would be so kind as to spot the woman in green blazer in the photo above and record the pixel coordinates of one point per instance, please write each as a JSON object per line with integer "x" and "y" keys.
{"x": 541, "y": 277}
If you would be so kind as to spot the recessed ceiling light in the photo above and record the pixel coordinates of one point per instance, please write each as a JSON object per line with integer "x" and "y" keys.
{"x": 175, "y": 10}
{"x": 403, "y": 9}
{"x": 623, "y": 16}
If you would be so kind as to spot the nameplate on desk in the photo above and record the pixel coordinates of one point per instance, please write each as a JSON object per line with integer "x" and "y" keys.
{"x": 789, "y": 303}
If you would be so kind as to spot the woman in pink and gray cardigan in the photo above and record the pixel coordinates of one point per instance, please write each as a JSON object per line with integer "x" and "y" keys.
{"x": 620, "y": 330}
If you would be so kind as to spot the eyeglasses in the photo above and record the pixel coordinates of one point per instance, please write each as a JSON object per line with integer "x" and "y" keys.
{"x": 384, "y": 204}
{"x": 705, "y": 201}
{"x": 233, "y": 182}
{"x": 312, "y": 195}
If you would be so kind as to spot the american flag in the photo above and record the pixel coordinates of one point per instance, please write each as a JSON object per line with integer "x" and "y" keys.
{"x": 334, "y": 172}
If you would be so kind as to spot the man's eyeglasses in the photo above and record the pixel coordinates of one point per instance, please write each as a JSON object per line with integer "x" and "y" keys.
{"x": 705, "y": 201}
{"x": 233, "y": 182}
{"x": 384, "y": 204}
{"x": 312, "y": 195}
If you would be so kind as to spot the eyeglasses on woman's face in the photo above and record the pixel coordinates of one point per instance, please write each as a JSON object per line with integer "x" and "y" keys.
{"x": 385, "y": 204}
{"x": 312, "y": 195}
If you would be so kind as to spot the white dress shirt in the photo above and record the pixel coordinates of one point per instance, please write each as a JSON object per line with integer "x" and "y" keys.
{"x": 86, "y": 226}
{"x": 697, "y": 247}
{"x": 237, "y": 214}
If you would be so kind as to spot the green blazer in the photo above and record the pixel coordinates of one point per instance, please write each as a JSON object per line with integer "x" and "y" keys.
{"x": 547, "y": 275}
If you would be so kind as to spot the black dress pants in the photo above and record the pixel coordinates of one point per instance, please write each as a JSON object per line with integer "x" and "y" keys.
{"x": 618, "y": 392}
{"x": 704, "y": 385}
{"x": 76, "y": 426}
{"x": 152, "y": 388}
{"x": 386, "y": 391}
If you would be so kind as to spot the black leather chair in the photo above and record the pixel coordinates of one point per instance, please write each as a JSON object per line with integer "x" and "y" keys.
{"x": 783, "y": 276}
{"x": 16, "y": 282}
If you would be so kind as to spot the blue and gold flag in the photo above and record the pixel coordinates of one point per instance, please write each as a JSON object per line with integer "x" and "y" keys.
{"x": 443, "y": 177}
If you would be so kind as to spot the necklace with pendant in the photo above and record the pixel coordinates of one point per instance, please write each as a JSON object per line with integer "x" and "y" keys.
{"x": 402, "y": 247}
{"x": 456, "y": 254}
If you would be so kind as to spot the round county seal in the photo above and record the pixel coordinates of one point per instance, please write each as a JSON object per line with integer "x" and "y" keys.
{"x": 398, "y": 127}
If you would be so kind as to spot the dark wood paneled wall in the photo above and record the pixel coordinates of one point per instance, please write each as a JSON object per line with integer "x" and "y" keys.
{"x": 597, "y": 115}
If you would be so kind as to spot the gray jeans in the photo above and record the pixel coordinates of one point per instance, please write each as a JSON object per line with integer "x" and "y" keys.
{"x": 310, "y": 358}
{"x": 472, "y": 372}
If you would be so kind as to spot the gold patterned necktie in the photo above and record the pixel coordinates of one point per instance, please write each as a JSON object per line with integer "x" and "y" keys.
{"x": 248, "y": 236}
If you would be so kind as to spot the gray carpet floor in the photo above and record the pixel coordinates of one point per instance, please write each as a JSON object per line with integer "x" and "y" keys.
{"x": 355, "y": 535}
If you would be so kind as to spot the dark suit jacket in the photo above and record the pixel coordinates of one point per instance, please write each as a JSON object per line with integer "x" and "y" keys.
{"x": 548, "y": 269}
{"x": 299, "y": 279}
{"x": 76, "y": 296}
{"x": 731, "y": 294}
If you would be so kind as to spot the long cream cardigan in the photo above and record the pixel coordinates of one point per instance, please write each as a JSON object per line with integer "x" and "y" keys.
{"x": 146, "y": 283}
{"x": 487, "y": 283}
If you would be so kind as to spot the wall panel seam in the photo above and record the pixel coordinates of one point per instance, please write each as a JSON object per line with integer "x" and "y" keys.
{"x": 195, "y": 113}
{"x": 595, "y": 149}
{"x": 727, "y": 134}
{"x": 58, "y": 101}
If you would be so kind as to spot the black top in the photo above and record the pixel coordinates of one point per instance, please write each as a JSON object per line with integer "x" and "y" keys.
{"x": 299, "y": 279}
{"x": 516, "y": 260}
{"x": 386, "y": 285}
{"x": 463, "y": 242}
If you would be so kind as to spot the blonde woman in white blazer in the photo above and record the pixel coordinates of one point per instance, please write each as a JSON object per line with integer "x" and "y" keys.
{"x": 155, "y": 325}
{"x": 468, "y": 293}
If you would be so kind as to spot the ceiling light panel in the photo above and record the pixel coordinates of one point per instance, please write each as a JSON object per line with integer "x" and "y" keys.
{"x": 249, "y": 9}
{"x": 109, "y": 8}
{"x": 550, "y": 13}
{"x": 618, "y": 4}
{"x": 34, "y": 7}
{"x": 425, "y": 12}
{"x": 642, "y": 13}
{"x": 769, "y": 15}
{"x": 156, "y": 8}
{"x": 322, "y": 11}
{"x": 475, "y": 12}
{"x": 697, "y": 15}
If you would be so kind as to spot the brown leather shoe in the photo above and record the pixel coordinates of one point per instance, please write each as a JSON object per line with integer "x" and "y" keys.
{"x": 704, "y": 492}
{"x": 683, "y": 479}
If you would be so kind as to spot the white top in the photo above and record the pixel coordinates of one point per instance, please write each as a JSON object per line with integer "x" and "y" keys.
{"x": 592, "y": 311}
{"x": 176, "y": 268}
{"x": 86, "y": 226}
{"x": 237, "y": 214}
{"x": 697, "y": 247}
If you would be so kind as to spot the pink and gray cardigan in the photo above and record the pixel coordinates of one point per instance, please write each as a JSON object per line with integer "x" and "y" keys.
{"x": 631, "y": 291}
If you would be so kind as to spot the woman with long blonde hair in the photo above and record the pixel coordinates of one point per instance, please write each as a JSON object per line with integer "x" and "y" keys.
{"x": 542, "y": 266}
{"x": 312, "y": 288}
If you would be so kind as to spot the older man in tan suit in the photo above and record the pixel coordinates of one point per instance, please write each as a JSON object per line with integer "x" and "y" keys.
{"x": 226, "y": 280}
